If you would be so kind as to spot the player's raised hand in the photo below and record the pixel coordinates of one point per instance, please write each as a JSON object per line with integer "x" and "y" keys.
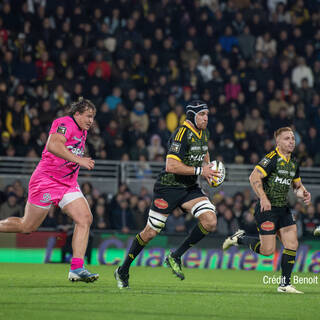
{"x": 209, "y": 173}
{"x": 87, "y": 163}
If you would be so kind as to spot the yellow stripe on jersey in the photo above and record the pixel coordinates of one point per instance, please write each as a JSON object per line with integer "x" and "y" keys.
{"x": 271, "y": 154}
{"x": 182, "y": 133}
{"x": 178, "y": 133}
{"x": 261, "y": 170}
{"x": 172, "y": 156}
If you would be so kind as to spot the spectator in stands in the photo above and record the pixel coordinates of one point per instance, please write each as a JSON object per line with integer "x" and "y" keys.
{"x": 121, "y": 216}
{"x": 155, "y": 148}
{"x": 5, "y": 142}
{"x": 176, "y": 222}
{"x": 100, "y": 220}
{"x": 114, "y": 99}
{"x": 302, "y": 71}
{"x": 11, "y": 208}
{"x": 310, "y": 220}
{"x": 206, "y": 68}
{"x": 17, "y": 120}
{"x": 139, "y": 115}
{"x": 140, "y": 213}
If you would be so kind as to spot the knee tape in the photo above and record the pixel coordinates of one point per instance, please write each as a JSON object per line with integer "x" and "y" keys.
{"x": 156, "y": 220}
{"x": 202, "y": 207}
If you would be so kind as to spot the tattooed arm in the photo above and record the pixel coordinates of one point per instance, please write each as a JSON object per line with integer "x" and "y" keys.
{"x": 257, "y": 186}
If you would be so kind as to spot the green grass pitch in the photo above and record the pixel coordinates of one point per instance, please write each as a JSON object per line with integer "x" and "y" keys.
{"x": 34, "y": 291}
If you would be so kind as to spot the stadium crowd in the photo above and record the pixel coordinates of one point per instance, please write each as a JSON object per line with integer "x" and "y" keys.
{"x": 127, "y": 212}
{"x": 256, "y": 63}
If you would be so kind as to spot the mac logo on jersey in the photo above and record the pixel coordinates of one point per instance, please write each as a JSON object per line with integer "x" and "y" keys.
{"x": 198, "y": 157}
{"x": 283, "y": 181}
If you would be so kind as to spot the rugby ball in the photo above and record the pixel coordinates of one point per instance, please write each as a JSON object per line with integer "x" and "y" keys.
{"x": 218, "y": 165}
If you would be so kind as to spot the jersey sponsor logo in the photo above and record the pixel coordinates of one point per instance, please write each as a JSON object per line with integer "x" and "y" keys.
{"x": 77, "y": 151}
{"x": 175, "y": 147}
{"x": 283, "y": 171}
{"x": 204, "y": 148}
{"x": 264, "y": 162}
{"x": 161, "y": 203}
{"x": 62, "y": 129}
{"x": 267, "y": 226}
{"x": 195, "y": 148}
{"x": 283, "y": 180}
{"x": 198, "y": 157}
{"x": 292, "y": 173}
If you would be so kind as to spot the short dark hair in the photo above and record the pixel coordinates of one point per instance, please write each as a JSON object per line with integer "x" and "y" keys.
{"x": 81, "y": 106}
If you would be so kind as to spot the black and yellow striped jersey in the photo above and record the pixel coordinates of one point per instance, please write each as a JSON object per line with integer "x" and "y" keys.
{"x": 279, "y": 173}
{"x": 188, "y": 146}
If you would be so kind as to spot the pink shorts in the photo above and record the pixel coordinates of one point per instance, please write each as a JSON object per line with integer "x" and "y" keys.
{"x": 43, "y": 192}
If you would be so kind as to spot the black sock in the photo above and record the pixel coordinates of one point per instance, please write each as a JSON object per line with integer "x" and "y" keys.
{"x": 136, "y": 247}
{"x": 252, "y": 242}
{"x": 197, "y": 233}
{"x": 287, "y": 262}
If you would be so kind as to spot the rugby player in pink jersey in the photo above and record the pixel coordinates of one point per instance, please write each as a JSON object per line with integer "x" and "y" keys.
{"x": 54, "y": 182}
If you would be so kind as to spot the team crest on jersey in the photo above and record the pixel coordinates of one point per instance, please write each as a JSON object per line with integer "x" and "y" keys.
{"x": 282, "y": 163}
{"x": 46, "y": 197}
{"x": 175, "y": 147}
{"x": 264, "y": 162}
{"x": 62, "y": 129}
{"x": 192, "y": 140}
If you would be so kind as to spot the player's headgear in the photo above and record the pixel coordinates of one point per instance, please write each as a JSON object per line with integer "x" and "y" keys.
{"x": 193, "y": 108}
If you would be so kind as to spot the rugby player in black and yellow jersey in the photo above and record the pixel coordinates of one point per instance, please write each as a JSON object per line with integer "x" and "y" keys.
{"x": 176, "y": 186}
{"x": 271, "y": 180}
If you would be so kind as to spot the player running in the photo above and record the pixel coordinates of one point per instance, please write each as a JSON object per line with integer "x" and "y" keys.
{"x": 271, "y": 180}
{"x": 176, "y": 186}
{"x": 54, "y": 181}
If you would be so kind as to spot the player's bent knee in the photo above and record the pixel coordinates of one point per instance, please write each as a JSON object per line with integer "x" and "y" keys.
{"x": 147, "y": 234}
{"x": 267, "y": 251}
{"x": 85, "y": 220}
{"x": 202, "y": 207}
{"x": 156, "y": 221}
{"x": 28, "y": 229}
{"x": 210, "y": 222}
{"x": 293, "y": 245}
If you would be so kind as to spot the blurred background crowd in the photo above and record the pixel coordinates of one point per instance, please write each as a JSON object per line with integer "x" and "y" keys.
{"x": 128, "y": 212}
{"x": 255, "y": 62}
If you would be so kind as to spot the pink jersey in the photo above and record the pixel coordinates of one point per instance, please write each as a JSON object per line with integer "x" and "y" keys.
{"x": 56, "y": 168}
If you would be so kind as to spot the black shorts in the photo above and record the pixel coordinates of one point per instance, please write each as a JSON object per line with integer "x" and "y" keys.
{"x": 166, "y": 199}
{"x": 269, "y": 222}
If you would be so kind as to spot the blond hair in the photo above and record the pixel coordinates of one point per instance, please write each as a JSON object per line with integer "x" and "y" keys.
{"x": 280, "y": 130}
